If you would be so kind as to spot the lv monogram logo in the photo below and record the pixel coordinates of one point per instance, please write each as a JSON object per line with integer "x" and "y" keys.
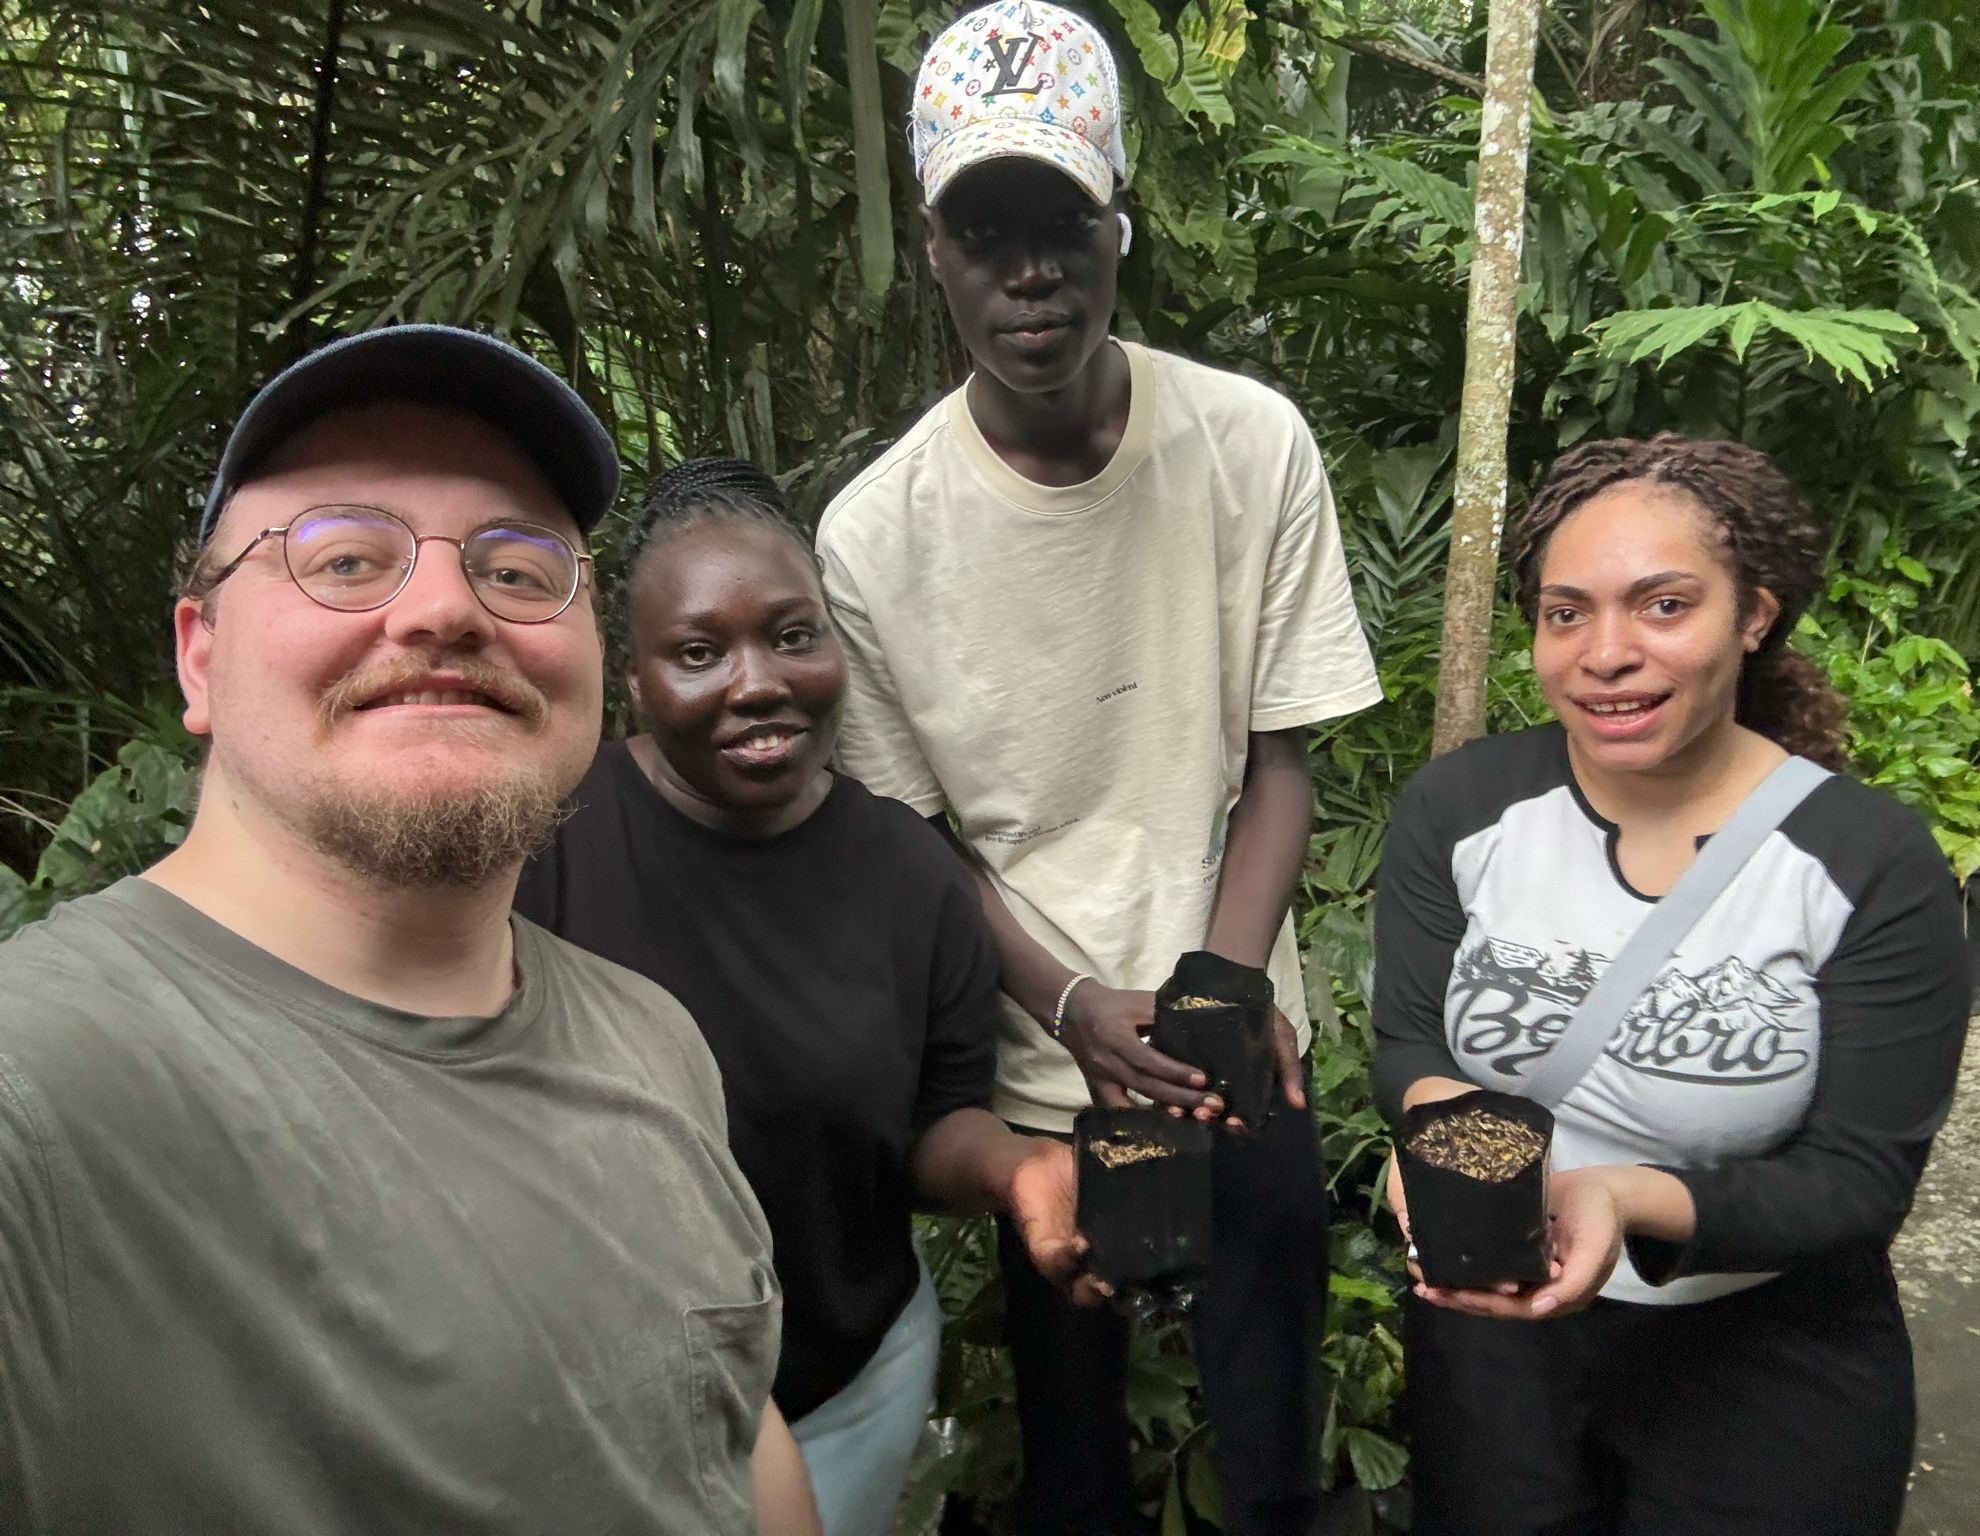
{"x": 1011, "y": 66}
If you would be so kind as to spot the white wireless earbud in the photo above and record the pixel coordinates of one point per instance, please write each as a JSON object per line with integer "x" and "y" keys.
{"x": 1127, "y": 232}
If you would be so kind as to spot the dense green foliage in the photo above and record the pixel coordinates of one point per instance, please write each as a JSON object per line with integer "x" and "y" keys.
{"x": 1753, "y": 218}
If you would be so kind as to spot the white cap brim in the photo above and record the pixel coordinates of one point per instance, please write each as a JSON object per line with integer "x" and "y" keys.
{"x": 1006, "y": 138}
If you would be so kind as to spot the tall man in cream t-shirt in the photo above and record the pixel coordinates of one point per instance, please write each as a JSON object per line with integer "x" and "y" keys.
{"x": 1090, "y": 603}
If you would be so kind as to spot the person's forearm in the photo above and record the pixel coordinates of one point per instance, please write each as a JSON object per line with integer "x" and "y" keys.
{"x": 963, "y": 1164}
{"x": 1264, "y": 848}
{"x": 1428, "y": 1090}
{"x": 784, "y": 1505}
{"x": 1651, "y": 1203}
{"x": 1029, "y": 974}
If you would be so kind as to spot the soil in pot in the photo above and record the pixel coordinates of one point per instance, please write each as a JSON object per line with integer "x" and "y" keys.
{"x": 1217, "y": 1015}
{"x": 1144, "y": 1196}
{"x": 1474, "y": 1171}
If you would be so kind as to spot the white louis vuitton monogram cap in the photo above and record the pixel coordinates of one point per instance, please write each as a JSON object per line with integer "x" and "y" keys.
{"x": 1023, "y": 78}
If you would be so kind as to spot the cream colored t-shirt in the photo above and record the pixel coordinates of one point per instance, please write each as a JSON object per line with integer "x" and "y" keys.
{"x": 1073, "y": 671}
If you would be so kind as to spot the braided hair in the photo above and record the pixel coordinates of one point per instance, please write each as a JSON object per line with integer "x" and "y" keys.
{"x": 692, "y": 494}
{"x": 1773, "y": 539}
{"x": 701, "y": 491}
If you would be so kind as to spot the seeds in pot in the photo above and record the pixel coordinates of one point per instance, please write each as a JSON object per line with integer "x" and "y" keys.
{"x": 1480, "y": 1144}
{"x": 1197, "y": 1002}
{"x": 1119, "y": 1152}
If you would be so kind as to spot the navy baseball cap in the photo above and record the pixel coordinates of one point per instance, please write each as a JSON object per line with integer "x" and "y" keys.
{"x": 439, "y": 365}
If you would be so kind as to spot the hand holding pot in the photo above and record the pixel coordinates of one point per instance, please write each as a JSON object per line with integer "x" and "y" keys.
{"x": 1586, "y": 1232}
{"x": 1104, "y": 1029}
{"x": 1588, "y": 1236}
{"x": 1044, "y": 1206}
{"x": 1292, "y": 1081}
{"x": 1285, "y": 1049}
{"x": 1392, "y": 1186}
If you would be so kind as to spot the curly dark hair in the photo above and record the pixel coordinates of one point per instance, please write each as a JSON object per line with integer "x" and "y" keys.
{"x": 1773, "y": 539}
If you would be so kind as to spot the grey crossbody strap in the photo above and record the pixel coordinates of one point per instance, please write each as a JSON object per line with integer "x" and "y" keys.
{"x": 1602, "y": 1011}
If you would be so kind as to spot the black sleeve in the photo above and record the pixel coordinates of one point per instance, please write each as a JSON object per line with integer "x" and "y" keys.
{"x": 1418, "y": 926}
{"x": 539, "y": 893}
{"x": 959, "y": 1057}
{"x": 1893, "y": 1000}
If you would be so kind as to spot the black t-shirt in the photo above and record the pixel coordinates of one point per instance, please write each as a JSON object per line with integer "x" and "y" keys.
{"x": 844, "y": 978}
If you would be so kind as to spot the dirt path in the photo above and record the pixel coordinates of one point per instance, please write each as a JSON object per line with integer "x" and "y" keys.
{"x": 1937, "y": 1257}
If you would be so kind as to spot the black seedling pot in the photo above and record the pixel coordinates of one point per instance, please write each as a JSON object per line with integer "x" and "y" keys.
{"x": 1471, "y": 1233}
{"x": 1144, "y": 1195}
{"x": 1230, "y": 1043}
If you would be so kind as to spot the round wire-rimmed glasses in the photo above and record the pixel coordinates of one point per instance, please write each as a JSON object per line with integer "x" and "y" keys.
{"x": 354, "y": 559}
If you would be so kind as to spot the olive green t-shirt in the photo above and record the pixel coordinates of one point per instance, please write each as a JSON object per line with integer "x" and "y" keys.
{"x": 277, "y": 1260}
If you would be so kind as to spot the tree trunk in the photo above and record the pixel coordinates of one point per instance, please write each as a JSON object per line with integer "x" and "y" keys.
{"x": 1479, "y": 514}
{"x": 873, "y": 190}
{"x": 304, "y": 275}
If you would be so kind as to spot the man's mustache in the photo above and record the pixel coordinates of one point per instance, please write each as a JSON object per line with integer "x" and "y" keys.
{"x": 506, "y": 690}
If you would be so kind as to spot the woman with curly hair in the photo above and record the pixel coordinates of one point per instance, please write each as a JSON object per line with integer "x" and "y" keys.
{"x": 1719, "y": 1348}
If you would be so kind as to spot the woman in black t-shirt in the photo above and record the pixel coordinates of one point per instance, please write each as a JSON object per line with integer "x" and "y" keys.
{"x": 1720, "y": 1348}
{"x": 832, "y": 950}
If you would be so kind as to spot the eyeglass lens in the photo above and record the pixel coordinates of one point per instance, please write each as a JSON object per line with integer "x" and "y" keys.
{"x": 356, "y": 558}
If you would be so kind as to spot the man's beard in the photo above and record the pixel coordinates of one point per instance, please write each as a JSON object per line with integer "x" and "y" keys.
{"x": 454, "y": 841}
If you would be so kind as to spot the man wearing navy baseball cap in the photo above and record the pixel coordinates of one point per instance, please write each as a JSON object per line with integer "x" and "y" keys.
{"x": 333, "y": 1199}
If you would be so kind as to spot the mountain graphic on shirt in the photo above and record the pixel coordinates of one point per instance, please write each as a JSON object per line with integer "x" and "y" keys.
{"x": 1673, "y": 993}
{"x": 1733, "y": 981}
{"x": 1512, "y": 957}
{"x": 1569, "y": 972}
{"x": 1732, "y": 995}
{"x": 1729, "y": 1023}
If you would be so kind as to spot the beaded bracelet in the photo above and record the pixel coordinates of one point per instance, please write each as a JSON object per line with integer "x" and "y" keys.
{"x": 1057, "y": 1028}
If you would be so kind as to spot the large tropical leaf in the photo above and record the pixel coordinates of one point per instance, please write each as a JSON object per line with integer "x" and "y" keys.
{"x": 1853, "y": 342}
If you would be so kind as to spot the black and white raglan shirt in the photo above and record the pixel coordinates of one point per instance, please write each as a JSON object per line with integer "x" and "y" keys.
{"x": 1790, "y": 1063}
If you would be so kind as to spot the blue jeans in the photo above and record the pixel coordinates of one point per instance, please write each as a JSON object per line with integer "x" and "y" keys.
{"x": 857, "y": 1444}
{"x": 1256, "y": 1330}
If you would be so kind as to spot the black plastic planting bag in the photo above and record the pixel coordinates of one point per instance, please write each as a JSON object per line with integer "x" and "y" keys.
{"x": 1144, "y": 1195}
{"x": 1483, "y": 1227}
{"x": 1217, "y": 1015}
